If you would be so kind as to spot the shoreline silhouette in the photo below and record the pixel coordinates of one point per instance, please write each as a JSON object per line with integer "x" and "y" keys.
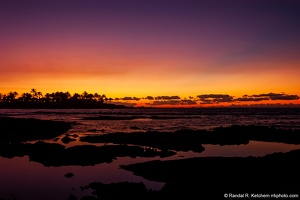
{"x": 56, "y": 100}
{"x": 183, "y": 178}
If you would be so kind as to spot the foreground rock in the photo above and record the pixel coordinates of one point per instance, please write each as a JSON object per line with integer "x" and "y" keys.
{"x": 274, "y": 173}
{"x": 51, "y": 154}
{"x": 69, "y": 175}
{"x": 185, "y": 140}
{"x": 161, "y": 140}
{"x": 67, "y": 139}
{"x": 21, "y": 130}
{"x": 121, "y": 191}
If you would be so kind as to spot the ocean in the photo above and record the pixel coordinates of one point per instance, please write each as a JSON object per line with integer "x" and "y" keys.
{"x": 25, "y": 179}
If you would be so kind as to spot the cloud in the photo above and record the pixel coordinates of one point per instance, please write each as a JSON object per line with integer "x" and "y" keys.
{"x": 223, "y": 98}
{"x": 214, "y": 98}
{"x": 125, "y": 104}
{"x": 213, "y": 95}
{"x": 170, "y": 102}
{"x": 174, "y": 102}
{"x": 130, "y": 99}
{"x": 188, "y": 102}
{"x": 269, "y": 96}
{"x": 149, "y": 98}
{"x": 204, "y": 99}
{"x": 167, "y": 98}
{"x": 276, "y": 96}
{"x": 251, "y": 99}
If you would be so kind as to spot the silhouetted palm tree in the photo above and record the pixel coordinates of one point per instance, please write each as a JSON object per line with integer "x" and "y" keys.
{"x": 34, "y": 92}
{"x": 68, "y": 95}
{"x": 96, "y": 96}
{"x": 90, "y": 96}
{"x": 26, "y": 97}
{"x": 12, "y": 96}
{"x": 76, "y": 96}
{"x": 64, "y": 96}
{"x": 47, "y": 97}
{"x": 84, "y": 95}
{"x": 4, "y": 98}
{"x": 39, "y": 95}
{"x": 52, "y": 96}
{"x": 57, "y": 96}
{"x": 103, "y": 98}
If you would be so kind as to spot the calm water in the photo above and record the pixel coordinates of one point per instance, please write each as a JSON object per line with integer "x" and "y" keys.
{"x": 31, "y": 180}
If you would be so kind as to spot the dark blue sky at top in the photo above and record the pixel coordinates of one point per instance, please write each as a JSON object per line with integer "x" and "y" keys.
{"x": 188, "y": 24}
{"x": 143, "y": 15}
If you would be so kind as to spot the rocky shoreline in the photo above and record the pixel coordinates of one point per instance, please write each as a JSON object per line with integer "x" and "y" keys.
{"x": 183, "y": 178}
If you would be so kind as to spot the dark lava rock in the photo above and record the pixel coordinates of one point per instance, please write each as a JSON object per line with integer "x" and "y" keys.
{"x": 67, "y": 139}
{"x": 55, "y": 139}
{"x": 192, "y": 140}
{"x": 89, "y": 197}
{"x": 69, "y": 175}
{"x": 164, "y": 141}
{"x": 53, "y": 154}
{"x": 274, "y": 173}
{"x": 134, "y": 127}
{"x": 72, "y": 197}
{"x": 21, "y": 130}
{"x": 121, "y": 190}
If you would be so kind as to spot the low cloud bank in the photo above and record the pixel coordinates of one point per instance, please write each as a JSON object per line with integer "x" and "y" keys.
{"x": 203, "y": 99}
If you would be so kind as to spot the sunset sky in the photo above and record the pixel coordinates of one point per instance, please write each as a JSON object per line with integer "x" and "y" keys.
{"x": 177, "y": 52}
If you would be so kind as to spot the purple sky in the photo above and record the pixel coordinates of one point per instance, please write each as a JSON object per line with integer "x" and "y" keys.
{"x": 140, "y": 48}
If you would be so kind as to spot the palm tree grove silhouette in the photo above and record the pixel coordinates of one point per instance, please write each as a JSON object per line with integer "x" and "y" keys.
{"x": 55, "y": 100}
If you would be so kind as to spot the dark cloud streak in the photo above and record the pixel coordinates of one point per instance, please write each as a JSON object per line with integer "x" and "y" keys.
{"x": 251, "y": 99}
{"x": 167, "y": 98}
{"x": 209, "y": 99}
{"x": 269, "y": 96}
{"x": 214, "y": 98}
{"x": 174, "y": 102}
{"x": 130, "y": 99}
{"x": 225, "y": 98}
{"x": 276, "y": 96}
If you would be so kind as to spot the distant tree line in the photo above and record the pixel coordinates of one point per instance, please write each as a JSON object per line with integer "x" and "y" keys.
{"x": 36, "y": 99}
